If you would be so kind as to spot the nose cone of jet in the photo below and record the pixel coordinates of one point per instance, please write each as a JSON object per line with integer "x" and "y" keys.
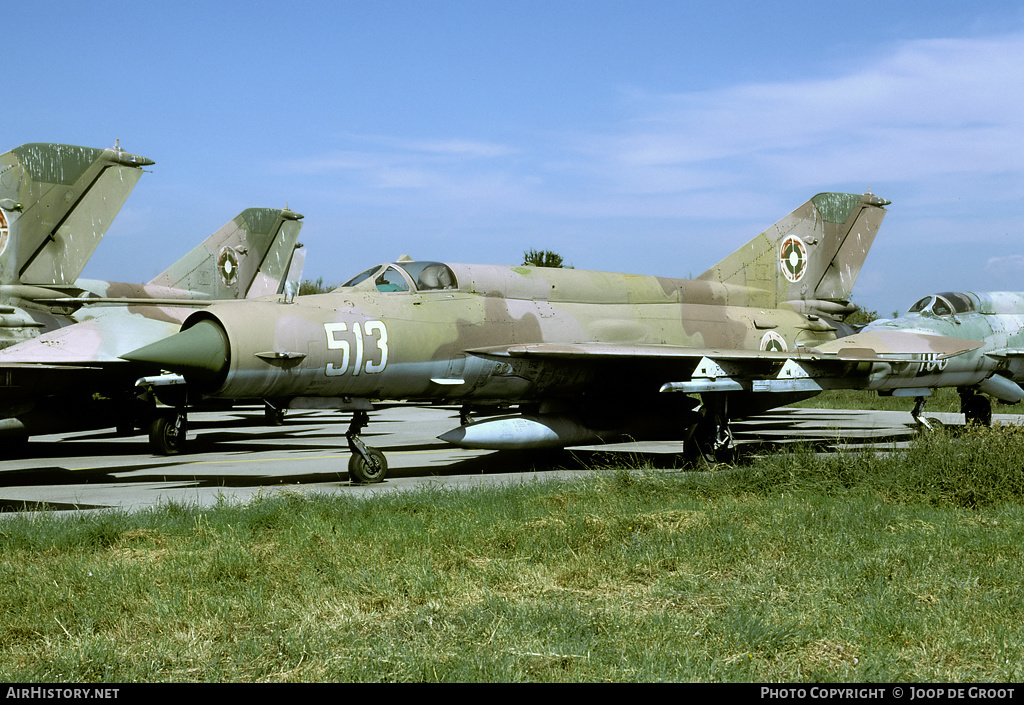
{"x": 199, "y": 353}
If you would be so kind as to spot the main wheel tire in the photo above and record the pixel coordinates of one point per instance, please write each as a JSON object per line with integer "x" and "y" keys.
{"x": 697, "y": 455}
{"x": 361, "y": 471}
{"x": 979, "y": 411}
{"x": 167, "y": 434}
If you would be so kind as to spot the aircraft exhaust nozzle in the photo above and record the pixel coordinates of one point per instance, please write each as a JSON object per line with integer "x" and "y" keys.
{"x": 199, "y": 353}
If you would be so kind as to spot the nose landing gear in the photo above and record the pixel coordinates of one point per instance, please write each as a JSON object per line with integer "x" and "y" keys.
{"x": 367, "y": 464}
{"x": 167, "y": 432}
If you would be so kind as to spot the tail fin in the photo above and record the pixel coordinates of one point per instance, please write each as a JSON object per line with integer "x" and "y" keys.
{"x": 809, "y": 260}
{"x": 56, "y": 203}
{"x": 250, "y": 253}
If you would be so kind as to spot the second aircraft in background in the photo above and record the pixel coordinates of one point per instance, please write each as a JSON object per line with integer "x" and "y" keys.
{"x": 995, "y": 368}
{"x": 65, "y": 373}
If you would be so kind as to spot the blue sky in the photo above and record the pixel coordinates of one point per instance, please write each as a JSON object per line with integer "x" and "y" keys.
{"x": 640, "y": 136}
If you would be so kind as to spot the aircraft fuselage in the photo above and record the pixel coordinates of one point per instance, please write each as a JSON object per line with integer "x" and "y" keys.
{"x": 362, "y": 342}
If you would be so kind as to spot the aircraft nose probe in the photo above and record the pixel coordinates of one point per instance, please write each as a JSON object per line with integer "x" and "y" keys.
{"x": 199, "y": 353}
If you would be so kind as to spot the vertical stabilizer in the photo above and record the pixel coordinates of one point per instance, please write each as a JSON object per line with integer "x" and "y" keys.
{"x": 809, "y": 260}
{"x": 251, "y": 252}
{"x": 56, "y": 203}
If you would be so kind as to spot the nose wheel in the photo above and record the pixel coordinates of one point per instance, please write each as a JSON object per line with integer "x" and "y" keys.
{"x": 925, "y": 424}
{"x": 366, "y": 464}
{"x": 167, "y": 432}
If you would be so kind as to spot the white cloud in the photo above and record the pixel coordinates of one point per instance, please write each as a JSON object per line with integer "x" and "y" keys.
{"x": 929, "y": 108}
{"x": 1012, "y": 265}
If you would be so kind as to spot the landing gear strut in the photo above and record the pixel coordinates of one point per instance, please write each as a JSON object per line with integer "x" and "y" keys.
{"x": 924, "y": 423}
{"x": 273, "y": 414}
{"x": 710, "y": 438}
{"x": 367, "y": 464}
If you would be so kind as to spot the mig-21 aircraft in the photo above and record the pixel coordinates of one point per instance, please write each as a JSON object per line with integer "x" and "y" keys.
{"x": 56, "y": 203}
{"x": 994, "y": 367}
{"x": 582, "y": 356}
{"x": 72, "y": 378}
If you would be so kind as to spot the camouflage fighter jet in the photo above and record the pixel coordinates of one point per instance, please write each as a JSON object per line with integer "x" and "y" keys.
{"x": 993, "y": 367}
{"x": 71, "y": 378}
{"x": 584, "y": 355}
{"x": 56, "y": 203}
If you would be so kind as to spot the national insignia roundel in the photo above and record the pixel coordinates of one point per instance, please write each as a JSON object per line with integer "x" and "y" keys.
{"x": 227, "y": 266}
{"x": 5, "y": 232}
{"x": 773, "y": 341}
{"x": 793, "y": 258}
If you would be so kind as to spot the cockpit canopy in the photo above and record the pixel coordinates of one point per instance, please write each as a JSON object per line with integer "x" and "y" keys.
{"x": 945, "y": 304}
{"x": 406, "y": 276}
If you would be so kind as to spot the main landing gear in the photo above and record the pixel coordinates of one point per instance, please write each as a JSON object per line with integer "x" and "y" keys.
{"x": 710, "y": 439}
{"x": 976, "y": 408}
{"x": 367, "y": 464}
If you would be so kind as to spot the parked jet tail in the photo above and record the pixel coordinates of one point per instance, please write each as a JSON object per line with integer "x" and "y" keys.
{"x": 56, "y": 203}
{"x": 810, "y": 259}
{"x": 249, "y": 256}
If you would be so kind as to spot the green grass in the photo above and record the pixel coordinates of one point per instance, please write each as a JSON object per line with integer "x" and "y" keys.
{"x": 943, "y": 399}
{"x": 800, "y": 567}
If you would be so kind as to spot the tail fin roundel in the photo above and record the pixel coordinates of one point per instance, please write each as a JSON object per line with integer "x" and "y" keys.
{"x": 809, "y": 260}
